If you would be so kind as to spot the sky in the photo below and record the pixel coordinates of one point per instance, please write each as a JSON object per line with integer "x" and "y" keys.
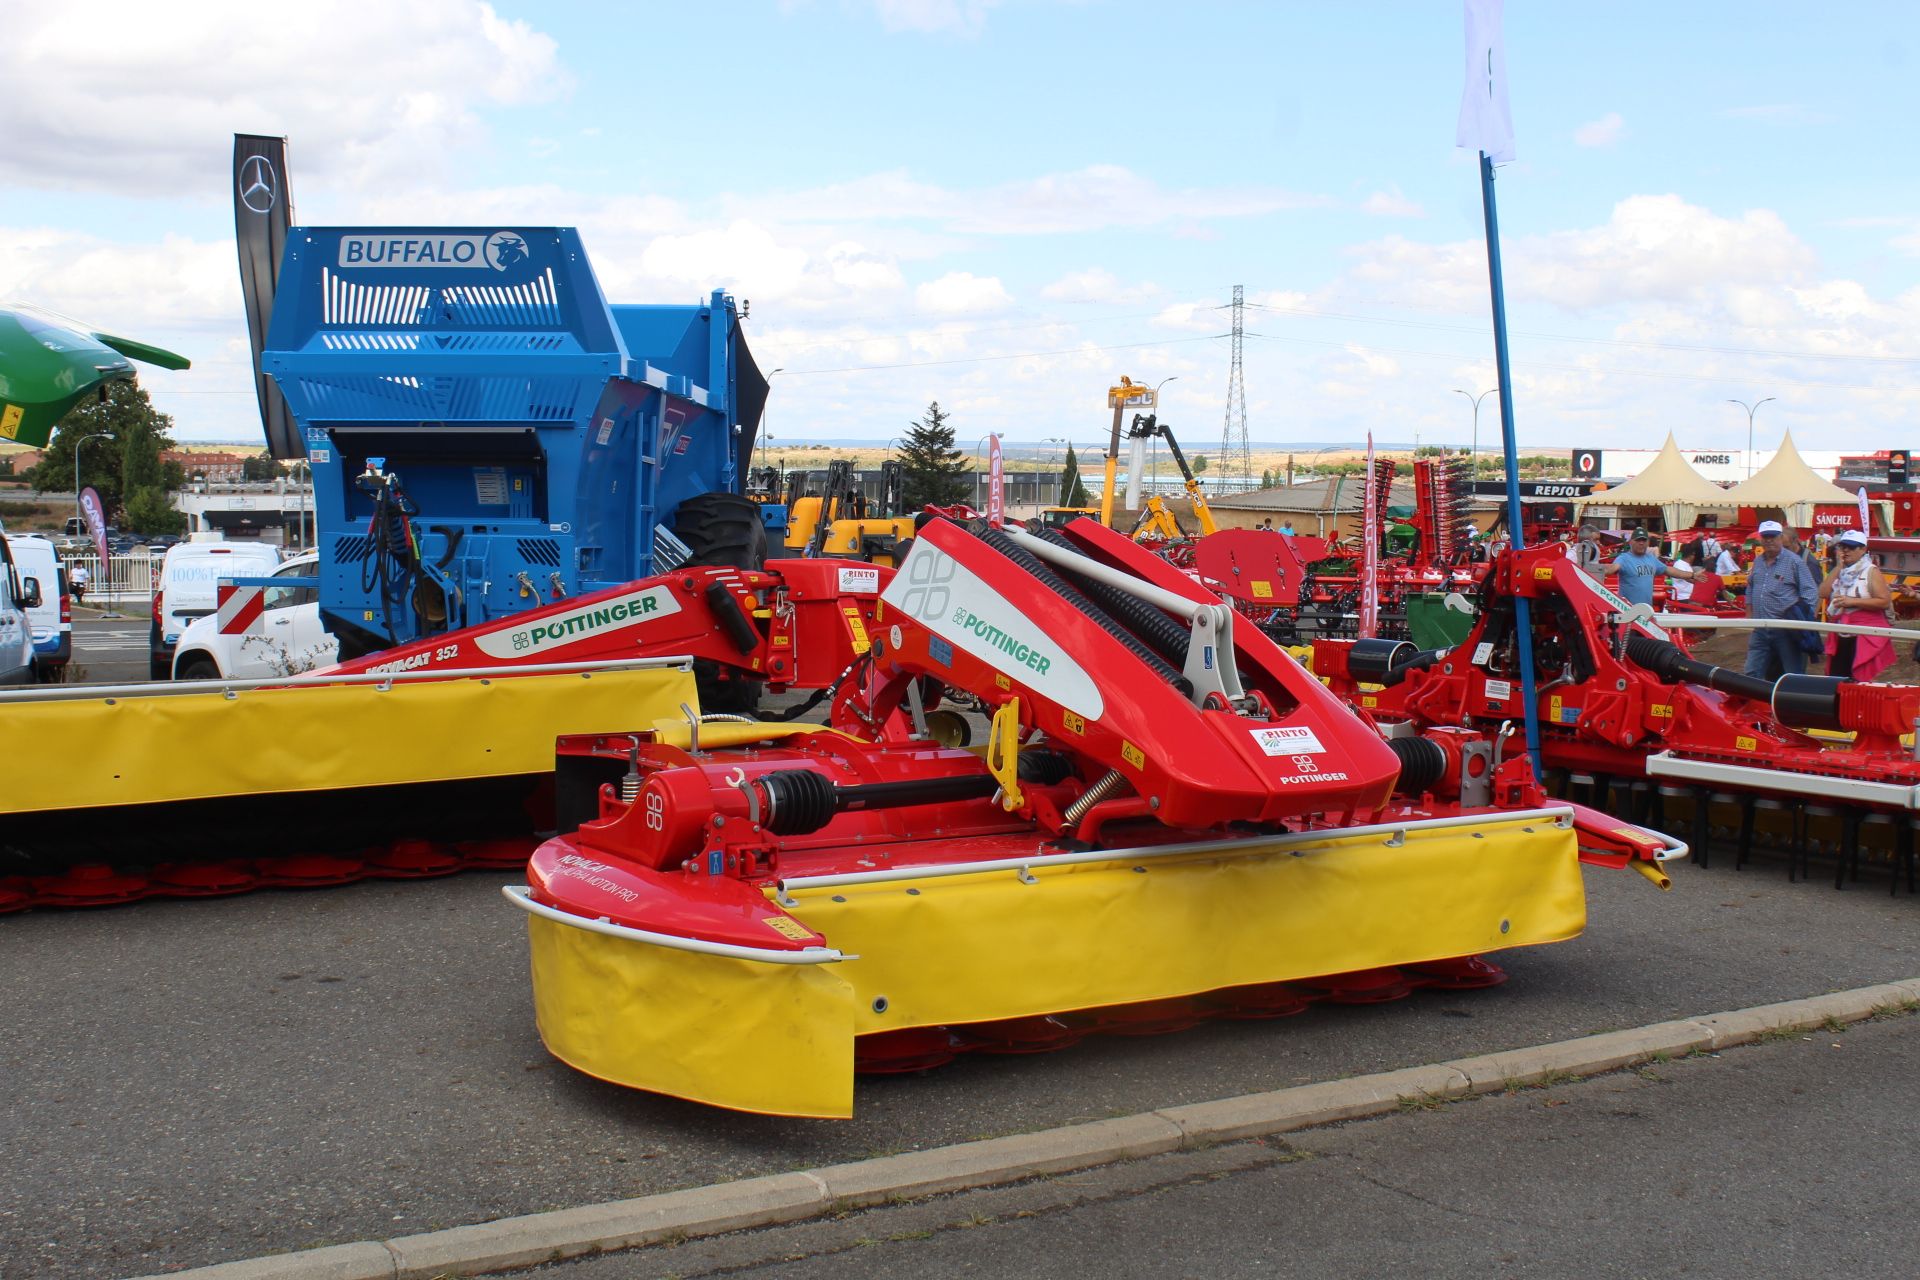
{"x": 1005, "y": 205}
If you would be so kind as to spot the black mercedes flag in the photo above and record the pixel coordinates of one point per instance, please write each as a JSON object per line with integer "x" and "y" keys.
{"x": 262, "y": 212}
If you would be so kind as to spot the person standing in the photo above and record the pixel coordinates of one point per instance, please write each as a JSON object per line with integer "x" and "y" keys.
{"x": 1638, "y": 566}
{"x": 1726, "y": 561}
{"x": 77, "y": 582}
{"x": 1710, "y": 548}
{"x": 1779, "y": 586}
{"x": 1857, "y": 593}
{"x": 1586, "y": 552}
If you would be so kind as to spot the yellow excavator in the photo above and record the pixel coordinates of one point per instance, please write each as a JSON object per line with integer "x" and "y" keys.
{"x": 1156, "y": 517}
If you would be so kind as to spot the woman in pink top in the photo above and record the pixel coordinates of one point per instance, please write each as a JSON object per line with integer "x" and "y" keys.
{"x": 1856, "y": 593}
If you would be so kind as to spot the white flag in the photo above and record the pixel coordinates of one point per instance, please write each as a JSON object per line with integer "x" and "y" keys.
{"x": 1486, "y": 122}
{"x": 1866, "y": 521}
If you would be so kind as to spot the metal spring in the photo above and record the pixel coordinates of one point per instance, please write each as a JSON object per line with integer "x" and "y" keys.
{"x": 1092, "y": 796}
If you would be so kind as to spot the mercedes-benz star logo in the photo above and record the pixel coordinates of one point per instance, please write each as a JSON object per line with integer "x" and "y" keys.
{"x": 258, "y": 190}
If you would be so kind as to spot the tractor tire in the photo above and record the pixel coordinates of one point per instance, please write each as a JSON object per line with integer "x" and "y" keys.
{"x": 723, "y": 529}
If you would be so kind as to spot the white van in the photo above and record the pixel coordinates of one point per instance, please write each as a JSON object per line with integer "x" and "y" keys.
{"x": 52, "y": 621}
{"x": 19, "y": 593}
{"x": 286, "y": 641}
{"x": 188, "y": 589}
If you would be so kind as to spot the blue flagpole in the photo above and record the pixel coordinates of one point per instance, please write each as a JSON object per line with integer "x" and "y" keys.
{"x": 1522, "y": 612}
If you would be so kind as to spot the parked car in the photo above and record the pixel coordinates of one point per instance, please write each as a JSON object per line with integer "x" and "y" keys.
{"x": 287, "y": 640}
{"x": 18, "y": 595}
{"x": 187, "y": 589}
{"x": 51, "y": 621}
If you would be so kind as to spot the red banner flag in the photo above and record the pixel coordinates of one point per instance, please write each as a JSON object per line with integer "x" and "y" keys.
{"x": 1370, "y": 552}
{"x": 996, "y": 484}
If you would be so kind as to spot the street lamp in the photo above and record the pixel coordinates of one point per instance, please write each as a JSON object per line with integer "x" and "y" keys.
{"x": 303, "y": 465}
{"x": 1473, "y": 467}
{"x": 1751, "y": 410}
{"x": 765, "y": 435}
{"x": 1154, "y": 470}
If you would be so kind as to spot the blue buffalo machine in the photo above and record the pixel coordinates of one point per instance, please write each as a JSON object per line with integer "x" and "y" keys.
{"x": 487, "y": 434}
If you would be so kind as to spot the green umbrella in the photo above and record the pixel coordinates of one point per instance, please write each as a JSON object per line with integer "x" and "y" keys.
{"x": 47, "y": 366}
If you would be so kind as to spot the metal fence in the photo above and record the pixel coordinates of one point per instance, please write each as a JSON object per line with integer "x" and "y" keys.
{"x": 127, "y": 580}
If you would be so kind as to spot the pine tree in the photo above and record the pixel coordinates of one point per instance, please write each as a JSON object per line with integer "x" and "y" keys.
{"x": 1073, "y": 490}
{"x": 935, "y": 475}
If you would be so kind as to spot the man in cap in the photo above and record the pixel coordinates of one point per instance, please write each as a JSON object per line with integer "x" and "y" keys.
{"x": 1639, "y": 565}
{"x": 1779, "y": 585}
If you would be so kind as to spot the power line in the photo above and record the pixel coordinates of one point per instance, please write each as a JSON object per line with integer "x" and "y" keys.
{"x": 1719, "y": 379}
{"x": 1017, "y": 355}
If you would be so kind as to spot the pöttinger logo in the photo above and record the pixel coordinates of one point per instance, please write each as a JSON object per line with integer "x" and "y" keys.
{"x": 929, "y": 582}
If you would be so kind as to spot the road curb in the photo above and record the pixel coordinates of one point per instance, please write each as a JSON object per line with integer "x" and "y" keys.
{"x": 789, "y": 1197}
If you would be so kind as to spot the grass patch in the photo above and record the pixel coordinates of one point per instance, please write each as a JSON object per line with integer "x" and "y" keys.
{"x": 1420, "y": 1101}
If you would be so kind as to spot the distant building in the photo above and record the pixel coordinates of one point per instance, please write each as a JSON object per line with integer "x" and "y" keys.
{"x": 23, "y": 460}
{"x": 219, "y": 468}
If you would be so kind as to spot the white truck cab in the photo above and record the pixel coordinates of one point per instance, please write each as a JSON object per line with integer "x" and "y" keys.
{"x": 286, "y": 640}
{"x": 189, "y": 580}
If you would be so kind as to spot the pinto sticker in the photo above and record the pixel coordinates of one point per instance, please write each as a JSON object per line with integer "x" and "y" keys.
{"x": 860, "y": 582}
{"x": 557, "y": 630}
{"x": 1284, "y": 740}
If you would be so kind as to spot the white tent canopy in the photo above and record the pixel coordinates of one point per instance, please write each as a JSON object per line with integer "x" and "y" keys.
{"x": 1789, "y": 484}
{"x": 1671, "y": 484}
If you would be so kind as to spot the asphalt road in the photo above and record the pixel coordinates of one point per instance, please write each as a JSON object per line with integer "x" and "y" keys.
{"x": 1777, "y": 1159}
{"x": 200, "y": 1081}
{"x": 110, "y": 650}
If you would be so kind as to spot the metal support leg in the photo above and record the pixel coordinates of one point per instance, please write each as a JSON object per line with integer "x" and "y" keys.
{"x": 1702, "y": 825}
{"x": 1746, "y": 832}
{"x": 1849, "y": 859}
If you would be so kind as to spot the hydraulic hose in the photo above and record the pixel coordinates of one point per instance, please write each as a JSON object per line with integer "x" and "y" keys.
{"x": 1032, "y": 564}
{"x": 1168, "y": 638}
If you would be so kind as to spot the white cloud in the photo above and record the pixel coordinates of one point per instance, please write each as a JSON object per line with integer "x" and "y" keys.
{"x": 964, "y": 17}
{"x": 1652, "y": 249}
{"x": 962, "y": 292}
{"x": 1392, "y": 203}
{"x": 1090, "y": 199}
{"x": 122, "y": 287}
{"x": 1604, "y": 132}
{"x": 150, "y": 108}
{"x": 1096, "y": 284}
{"x": 1778, "y": 113}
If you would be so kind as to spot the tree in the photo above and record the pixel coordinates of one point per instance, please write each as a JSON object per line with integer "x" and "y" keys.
{"x": 1266, "y": 479}
{"x": 259, "y": 468}
{"x": 149, "y": 510}
{"x": 1199, "y": 463}
{"x": 1073, "y": 490}
{"x": 935, "y": 475}
{"x": 127, "y": 416}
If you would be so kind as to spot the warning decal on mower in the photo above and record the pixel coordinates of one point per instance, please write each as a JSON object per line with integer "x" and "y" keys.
{"x": 556, "y": 630}
{"x": 1286, "y": 740}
